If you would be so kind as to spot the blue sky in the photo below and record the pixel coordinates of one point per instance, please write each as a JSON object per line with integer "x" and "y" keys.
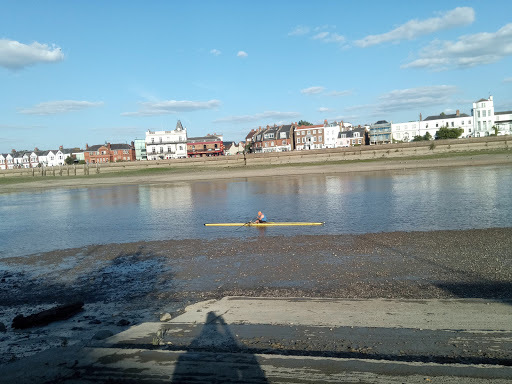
{"x": 77, "y": 72}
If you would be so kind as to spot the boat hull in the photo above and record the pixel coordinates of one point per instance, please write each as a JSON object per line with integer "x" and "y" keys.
{"x": 268, "y": 224}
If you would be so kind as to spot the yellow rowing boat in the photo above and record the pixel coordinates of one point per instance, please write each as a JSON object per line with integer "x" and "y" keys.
{"x": 268, "y": 224}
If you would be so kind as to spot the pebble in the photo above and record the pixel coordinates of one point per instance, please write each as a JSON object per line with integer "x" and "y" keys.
{"x": 165, "y": 317}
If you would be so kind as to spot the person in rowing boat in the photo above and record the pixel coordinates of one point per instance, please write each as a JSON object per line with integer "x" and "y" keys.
{"x": 261, "y": 218}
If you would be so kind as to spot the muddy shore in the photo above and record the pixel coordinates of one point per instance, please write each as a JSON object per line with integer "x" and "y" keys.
{"x": 137, "y": 282}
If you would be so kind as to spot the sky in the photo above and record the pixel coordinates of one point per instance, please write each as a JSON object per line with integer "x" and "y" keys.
{"x": 77, "y": 72}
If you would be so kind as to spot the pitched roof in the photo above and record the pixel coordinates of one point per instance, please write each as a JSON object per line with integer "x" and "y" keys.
{"x": 503, "y": 113}
{"x": 439, "y": 117}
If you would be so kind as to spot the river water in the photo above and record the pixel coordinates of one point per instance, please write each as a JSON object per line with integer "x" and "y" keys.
{"x": 413, "y": 200}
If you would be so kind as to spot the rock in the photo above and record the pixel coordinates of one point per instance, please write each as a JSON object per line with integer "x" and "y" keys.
{"x": 165, "y": 317}
{"x": 103, "y": 334}
{"x": 3, "y": 329}
{"x": 60, "y": 312}
{"x": 123, "y": 323}
{"x": 95, "y": 321}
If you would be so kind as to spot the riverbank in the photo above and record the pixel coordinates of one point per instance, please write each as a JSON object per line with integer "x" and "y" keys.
{"x": 163, "y": 176}
{"x": 127, "y": 284}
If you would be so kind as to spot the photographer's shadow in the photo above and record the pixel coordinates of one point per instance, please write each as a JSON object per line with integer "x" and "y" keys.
{"x": 215, "y": 357}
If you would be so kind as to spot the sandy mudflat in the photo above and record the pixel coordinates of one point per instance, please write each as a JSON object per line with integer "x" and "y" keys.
{"x": 138, "y": 281}
{"x": 260, "y": 171}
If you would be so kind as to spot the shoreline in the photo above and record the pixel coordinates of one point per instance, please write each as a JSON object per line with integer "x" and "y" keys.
{"x": 134, "y": 283}
{"x": 205, "y": 174}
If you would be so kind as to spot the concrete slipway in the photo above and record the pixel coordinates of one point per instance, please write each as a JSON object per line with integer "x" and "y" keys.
{"x": 294, "y": 340}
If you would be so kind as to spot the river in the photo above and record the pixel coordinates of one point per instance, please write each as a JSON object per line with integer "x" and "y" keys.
{"x": 413, "y": 200}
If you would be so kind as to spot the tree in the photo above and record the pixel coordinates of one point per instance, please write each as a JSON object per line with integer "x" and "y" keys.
{"x": 442, "y": 114}
{"x": 304, "y": 122}
{"x": 448, "y": 133}
{"x": 428, "y": 136}
{"x": 418, "y": 138}
{"x": 69, "y": 160}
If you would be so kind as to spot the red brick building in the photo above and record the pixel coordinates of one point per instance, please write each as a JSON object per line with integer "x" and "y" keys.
{"x": 109, "y": 153}
{"x": 209, "y": 145}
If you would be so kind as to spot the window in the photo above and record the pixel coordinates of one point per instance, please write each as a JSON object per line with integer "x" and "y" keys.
{"x": 462, "y": 122}
{"x": 284, "y": 142}
{"x": 152, "y": 140}
{"x": 161, "y": 149}
{"x": 309, "y": 132}
{"x": 359, "y": 141}
{"x": 485, "y": 125}
{"x": 216, "y": 145}
{"x": 319, "y": 138}
{"x": 452, "y": 124}
{"x": 303, "y": 139}
{"x": 298, "y": 140}
{"x": 484, "y": 113}
{"x": 479, "y": 127}
{"x": 266, "y": 144}
{"x": 272, "y": 144}
{"x": 478, "y": 113}
{"x": 314, "y": 131}
{"x": 169, "y": 149}
{"x": 426, "y": 125}
{"x": 159, "y": 139}
{"x": 437, "y": 125}
{"x": 489, "y": 112}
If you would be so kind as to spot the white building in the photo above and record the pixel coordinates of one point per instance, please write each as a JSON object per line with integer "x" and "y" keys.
{"x": 483, "y": 117}
{"x": 331, "y": 131}
{"x": 167, "y": 144}
{"x": 407, "y": 131}
{"x": 503, "y": 121}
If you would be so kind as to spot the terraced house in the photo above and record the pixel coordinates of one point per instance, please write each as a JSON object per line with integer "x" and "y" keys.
{"x": 109, "y": 153}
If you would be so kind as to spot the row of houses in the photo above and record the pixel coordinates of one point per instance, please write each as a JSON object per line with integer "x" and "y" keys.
{"x": 292, "y": 137}
{"x": 35, "y": 158}
{"x": 483, "y": 121}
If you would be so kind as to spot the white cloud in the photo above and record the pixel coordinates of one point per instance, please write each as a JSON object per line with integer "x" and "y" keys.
{"x": 467, "y": 51}
{"x": 149, "y": 108}
{"x": 15, "y": 55}
{"x": 215, "y": 52}
{"x": 312, "y": 90}
{"x": 323, "y": 109}
{"x": 267, "y": 115}
{"x": 242, "y": 54}
{"x": 321, "y": 35}
{"x": 507, "y": 80}
{"x": 415, "y": 28}
{"x": 408, "y": 99}
{"x": 59, "y": 107}
{"x": 299, "y": 30}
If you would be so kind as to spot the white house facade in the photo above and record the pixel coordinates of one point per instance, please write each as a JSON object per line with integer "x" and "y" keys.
{"x": 483, "y": 116}
{"x": 503, "y": 121}
{"x": 167, "y": 144}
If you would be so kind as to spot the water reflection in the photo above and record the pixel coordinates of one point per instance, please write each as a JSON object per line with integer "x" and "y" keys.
{"x": 458, "y": 198}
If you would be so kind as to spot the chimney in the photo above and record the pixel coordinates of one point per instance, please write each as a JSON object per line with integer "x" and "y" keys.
{"x": 108, "y": 146}
{"x": 421, "y": 118}
{"x": 13, "y": 150}
{"x": 86, "y": 146}
{"x": 133, "y": 144}
{"x": 36, "y": 149}
{"x": 61, "y": 147}
{"x": 458, "y": 113}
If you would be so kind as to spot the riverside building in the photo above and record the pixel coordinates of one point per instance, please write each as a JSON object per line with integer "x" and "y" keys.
{"x": 167, "y": 144}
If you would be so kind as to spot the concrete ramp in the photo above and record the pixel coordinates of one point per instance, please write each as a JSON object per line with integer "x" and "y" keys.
{"x": 269, "y": 340}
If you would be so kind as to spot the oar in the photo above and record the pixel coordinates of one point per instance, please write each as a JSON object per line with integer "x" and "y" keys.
{"x": 244, "y": 225}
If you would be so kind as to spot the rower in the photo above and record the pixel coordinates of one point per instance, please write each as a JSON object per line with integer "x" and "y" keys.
{"x": 261, "y": 218}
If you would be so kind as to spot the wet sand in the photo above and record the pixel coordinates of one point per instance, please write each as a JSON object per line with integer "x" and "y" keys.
{"x": 203, "y": 173}
{"x": 137, "y": 282}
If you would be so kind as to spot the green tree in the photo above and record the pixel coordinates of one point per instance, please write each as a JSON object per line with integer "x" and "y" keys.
{"x": 442, "y": 114}
{"x": 448, "y": 133}
{"x": 69, "y": 160}
{"x": 304, "y": 122}
{"x": 428, "y": 136}
{"x": 418, "y": 138}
